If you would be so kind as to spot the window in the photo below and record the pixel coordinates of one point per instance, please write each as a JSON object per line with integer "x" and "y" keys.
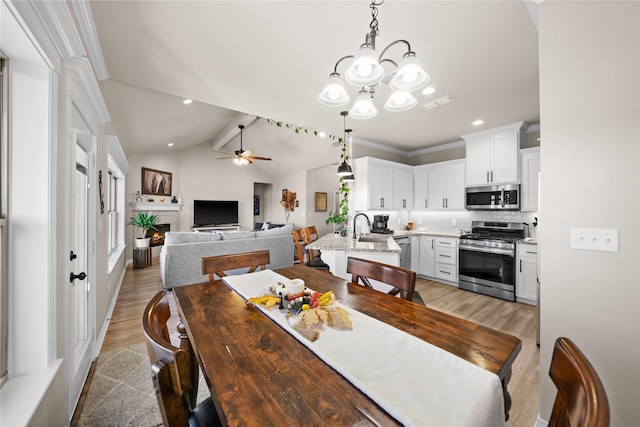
{"x": 112, "y": 211}
{"x": 4, "y": 163}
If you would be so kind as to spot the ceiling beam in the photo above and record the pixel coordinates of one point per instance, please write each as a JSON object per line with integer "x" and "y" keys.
{"x": 231, "y": 130}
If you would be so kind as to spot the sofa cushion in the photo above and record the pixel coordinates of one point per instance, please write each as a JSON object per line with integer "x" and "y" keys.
{"x": 176, "y": 237}
{"x": 235, "y": 235}
{"x": 281, "y": 231}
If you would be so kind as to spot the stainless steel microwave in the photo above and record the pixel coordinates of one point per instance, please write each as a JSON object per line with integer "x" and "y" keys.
{"x": 495, "y": 197}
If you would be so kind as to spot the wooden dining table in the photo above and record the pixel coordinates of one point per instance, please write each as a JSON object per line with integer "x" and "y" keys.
{"x": 259, "y": 374}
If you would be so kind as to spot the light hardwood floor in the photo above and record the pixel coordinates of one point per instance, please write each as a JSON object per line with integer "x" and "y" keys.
{"x": 514, "y": 318}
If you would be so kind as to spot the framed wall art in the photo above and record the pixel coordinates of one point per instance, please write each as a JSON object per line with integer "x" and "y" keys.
{"x": 321, "y": 202}
{"x": 155, "y": 182}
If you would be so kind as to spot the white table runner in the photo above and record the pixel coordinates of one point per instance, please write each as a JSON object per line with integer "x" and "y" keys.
{"x": 418, "y": 383}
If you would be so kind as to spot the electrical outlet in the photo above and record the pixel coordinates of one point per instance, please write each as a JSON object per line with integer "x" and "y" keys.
{"x": 399, "y": 221}
{"x": 419, "y": 221}
{"x": 454, "y": 222}
{"x": 593, "y": 239}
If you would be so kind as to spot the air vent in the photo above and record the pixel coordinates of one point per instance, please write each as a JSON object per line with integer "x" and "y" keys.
{"x": 439, "y": 102}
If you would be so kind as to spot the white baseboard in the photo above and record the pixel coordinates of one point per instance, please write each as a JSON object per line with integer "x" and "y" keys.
{"x": 540, "y": 422}
{"x": 107, "y": 321}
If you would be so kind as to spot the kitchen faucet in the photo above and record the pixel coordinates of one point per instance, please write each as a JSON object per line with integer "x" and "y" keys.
{"x": 354, "y": 223}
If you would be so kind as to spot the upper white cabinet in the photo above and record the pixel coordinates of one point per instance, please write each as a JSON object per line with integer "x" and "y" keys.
{"x": 439, "y": 186}
{"x": 402, "y": 187}
{"x": 374, "y": 185}
{"x": 493, "y": 156}
{"x": 529, "y": 183}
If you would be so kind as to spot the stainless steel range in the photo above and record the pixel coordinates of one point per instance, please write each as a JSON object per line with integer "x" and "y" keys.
{"x": 487, "y": 258}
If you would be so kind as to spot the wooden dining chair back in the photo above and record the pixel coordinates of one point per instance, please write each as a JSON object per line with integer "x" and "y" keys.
{"x": 174, "y": 370}
{"x": 217, "y": 265}
{"x": 311, "y": 235}
{"x": 581, "y": 399}
{"x": 402, "y": 280}
{"x": 300, "y": 245}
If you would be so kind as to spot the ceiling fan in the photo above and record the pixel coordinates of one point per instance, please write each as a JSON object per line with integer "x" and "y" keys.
{"x": 241, "y": 156}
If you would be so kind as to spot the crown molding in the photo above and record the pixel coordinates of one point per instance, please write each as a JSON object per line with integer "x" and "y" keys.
{"x": 115, "y": 151}
{"x": 379, "y": 146}
{"x": 436, "y": 148}
{"x": 87, "y": 25}
{"x": 533, "y": 128}
{"x": 52, "y": 26}
{"x": 85, "y": 92}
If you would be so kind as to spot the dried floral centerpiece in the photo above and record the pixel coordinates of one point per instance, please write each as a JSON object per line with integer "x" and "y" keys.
{"x": 306, "y": 310}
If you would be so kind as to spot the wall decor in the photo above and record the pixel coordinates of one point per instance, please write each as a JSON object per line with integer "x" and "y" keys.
{"x": 100, "y": 191}
{"x": 321, "y": 202}
{"x": 256, "y": 204}
{"x": 156, "y": 182}
{"x": 288, "y": 202}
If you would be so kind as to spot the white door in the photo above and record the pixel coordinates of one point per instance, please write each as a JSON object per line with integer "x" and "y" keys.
{"x": 80, "y": 302}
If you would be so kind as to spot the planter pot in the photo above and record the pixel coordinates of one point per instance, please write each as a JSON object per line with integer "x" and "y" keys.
{"x": 142, "y": 243}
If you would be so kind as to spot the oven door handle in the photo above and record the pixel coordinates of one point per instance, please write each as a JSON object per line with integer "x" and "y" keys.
{"x": 498, "y": 251}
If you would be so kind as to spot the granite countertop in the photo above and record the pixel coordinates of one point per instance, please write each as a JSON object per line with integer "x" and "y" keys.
{"x": 427, "y": 232}
{"x": 527, "y": 241}
{"x": 373, "y": 243}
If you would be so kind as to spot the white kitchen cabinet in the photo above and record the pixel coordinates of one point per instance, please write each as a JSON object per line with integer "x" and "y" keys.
{"x": 446, "y": 258}
{"x": 421, "y": 187}
{"x": 427, "y": 256}
{"x": 529, "y": 184}
{"x": 402, "y": 187}
{"x": 415, "y": 254}
{"x": 493, "y": 156}
{"x": 446, "y": 185}
{"x": 373, "y": 188}
{"x": 527, "y": 274}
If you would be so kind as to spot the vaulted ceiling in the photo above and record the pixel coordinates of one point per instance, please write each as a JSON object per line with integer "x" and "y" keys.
{"x": 270, "y": 59}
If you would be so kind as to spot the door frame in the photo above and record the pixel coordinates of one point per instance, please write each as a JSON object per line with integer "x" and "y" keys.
{"x": 79, "y": 133}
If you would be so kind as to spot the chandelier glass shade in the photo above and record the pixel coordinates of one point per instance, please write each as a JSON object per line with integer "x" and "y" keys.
{"x": 367, "y": 72}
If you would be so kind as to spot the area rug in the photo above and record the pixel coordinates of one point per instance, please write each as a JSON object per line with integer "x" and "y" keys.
{"x": 121, "y": 392}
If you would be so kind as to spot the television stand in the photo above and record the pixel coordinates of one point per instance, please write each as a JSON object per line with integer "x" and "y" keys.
{"x": 226, "y": 227}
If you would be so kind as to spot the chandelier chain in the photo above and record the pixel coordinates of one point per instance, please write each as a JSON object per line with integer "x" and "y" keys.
{"x": 374, "y": 16}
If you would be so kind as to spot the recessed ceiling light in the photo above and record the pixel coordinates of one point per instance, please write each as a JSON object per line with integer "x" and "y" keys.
{"x": 187, "y": 101}
{"x": 428, "y": 90}
{"x": 170, "y": 144}
{"x": 322, "y": 134}
{"x": 477, "y": 122}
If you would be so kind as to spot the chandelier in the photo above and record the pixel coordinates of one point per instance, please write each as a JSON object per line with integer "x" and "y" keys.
{"x": 366, "y": 71}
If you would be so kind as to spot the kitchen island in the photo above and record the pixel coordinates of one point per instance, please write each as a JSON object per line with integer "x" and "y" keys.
{"x": 335, "y": 249}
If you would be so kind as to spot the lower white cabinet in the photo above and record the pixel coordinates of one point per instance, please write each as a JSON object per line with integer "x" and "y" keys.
{"x": 439, "y": 257}
{"x": 427, "y": 255}
{"x": 446, "y": 259}
{"x": 415, "y": 254}
{"x": 527, "y": 274}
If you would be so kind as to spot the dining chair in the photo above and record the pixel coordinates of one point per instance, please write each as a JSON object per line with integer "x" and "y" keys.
{"x": 174, "y": 370}
{"x": 311, "y": 235}
{"x": 581, "y": 399}
{"x": 300, "y": 244}
{"x": 217, "y": 265}
{"x": 402, "y": 280}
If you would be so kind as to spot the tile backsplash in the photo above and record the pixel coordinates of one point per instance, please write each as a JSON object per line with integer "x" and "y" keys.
{"x": 444, "y": 221}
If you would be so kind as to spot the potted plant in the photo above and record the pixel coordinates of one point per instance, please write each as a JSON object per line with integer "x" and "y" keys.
{"x": 340, "y": 217}
{"x": 145, "y": 221}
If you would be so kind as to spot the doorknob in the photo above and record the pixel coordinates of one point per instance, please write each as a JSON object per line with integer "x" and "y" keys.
{"x": 80, "y": 276}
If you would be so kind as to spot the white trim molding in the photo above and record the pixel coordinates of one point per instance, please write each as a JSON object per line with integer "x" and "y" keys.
{"x": 86, "y": 93}
{"x": 87, "y": 25}
{"x": 378, "y": 146}
{"x": 115, "y": 151}
{"x": 440, "y": 147}
{"x": 155, "y": 206}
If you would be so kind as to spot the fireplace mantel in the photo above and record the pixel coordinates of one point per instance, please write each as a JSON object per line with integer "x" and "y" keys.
{"x": 155, "y": 206}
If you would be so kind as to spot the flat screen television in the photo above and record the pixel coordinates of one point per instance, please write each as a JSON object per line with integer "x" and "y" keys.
{"x": 215, "y": 212}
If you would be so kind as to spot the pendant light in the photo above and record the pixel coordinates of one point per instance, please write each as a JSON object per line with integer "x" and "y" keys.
{"x": 344, "y": 169}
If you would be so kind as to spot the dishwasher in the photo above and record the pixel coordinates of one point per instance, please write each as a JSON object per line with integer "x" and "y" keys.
{"x": 405, "y": 256}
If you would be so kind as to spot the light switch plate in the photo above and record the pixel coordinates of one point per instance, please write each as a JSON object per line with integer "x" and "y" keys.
{"x": 595, "y": 239}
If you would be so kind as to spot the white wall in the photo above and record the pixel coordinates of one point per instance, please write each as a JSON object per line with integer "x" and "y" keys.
{"x": 321, "y": 180}
{"x": 590, "y": 158}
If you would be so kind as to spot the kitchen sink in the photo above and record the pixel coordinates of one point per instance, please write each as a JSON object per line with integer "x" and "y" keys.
{"x": 372, "y": 239}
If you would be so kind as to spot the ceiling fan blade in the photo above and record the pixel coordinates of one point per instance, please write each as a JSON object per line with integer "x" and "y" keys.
{"x": 259, "y": 158}
{"x": 247, "y": 153}
{"x": 222, "y": 152}
{"x": 224, "y": 158}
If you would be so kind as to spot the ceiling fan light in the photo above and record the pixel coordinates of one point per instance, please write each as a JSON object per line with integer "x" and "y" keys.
{"x": 410, "y": 75}
{"x": 334, "y": 94}
{"x": 363, "y": 107}
{"x": 365, "y": 70}
{"x": 400, "y": 101}
{"x": 344, "y": 169}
